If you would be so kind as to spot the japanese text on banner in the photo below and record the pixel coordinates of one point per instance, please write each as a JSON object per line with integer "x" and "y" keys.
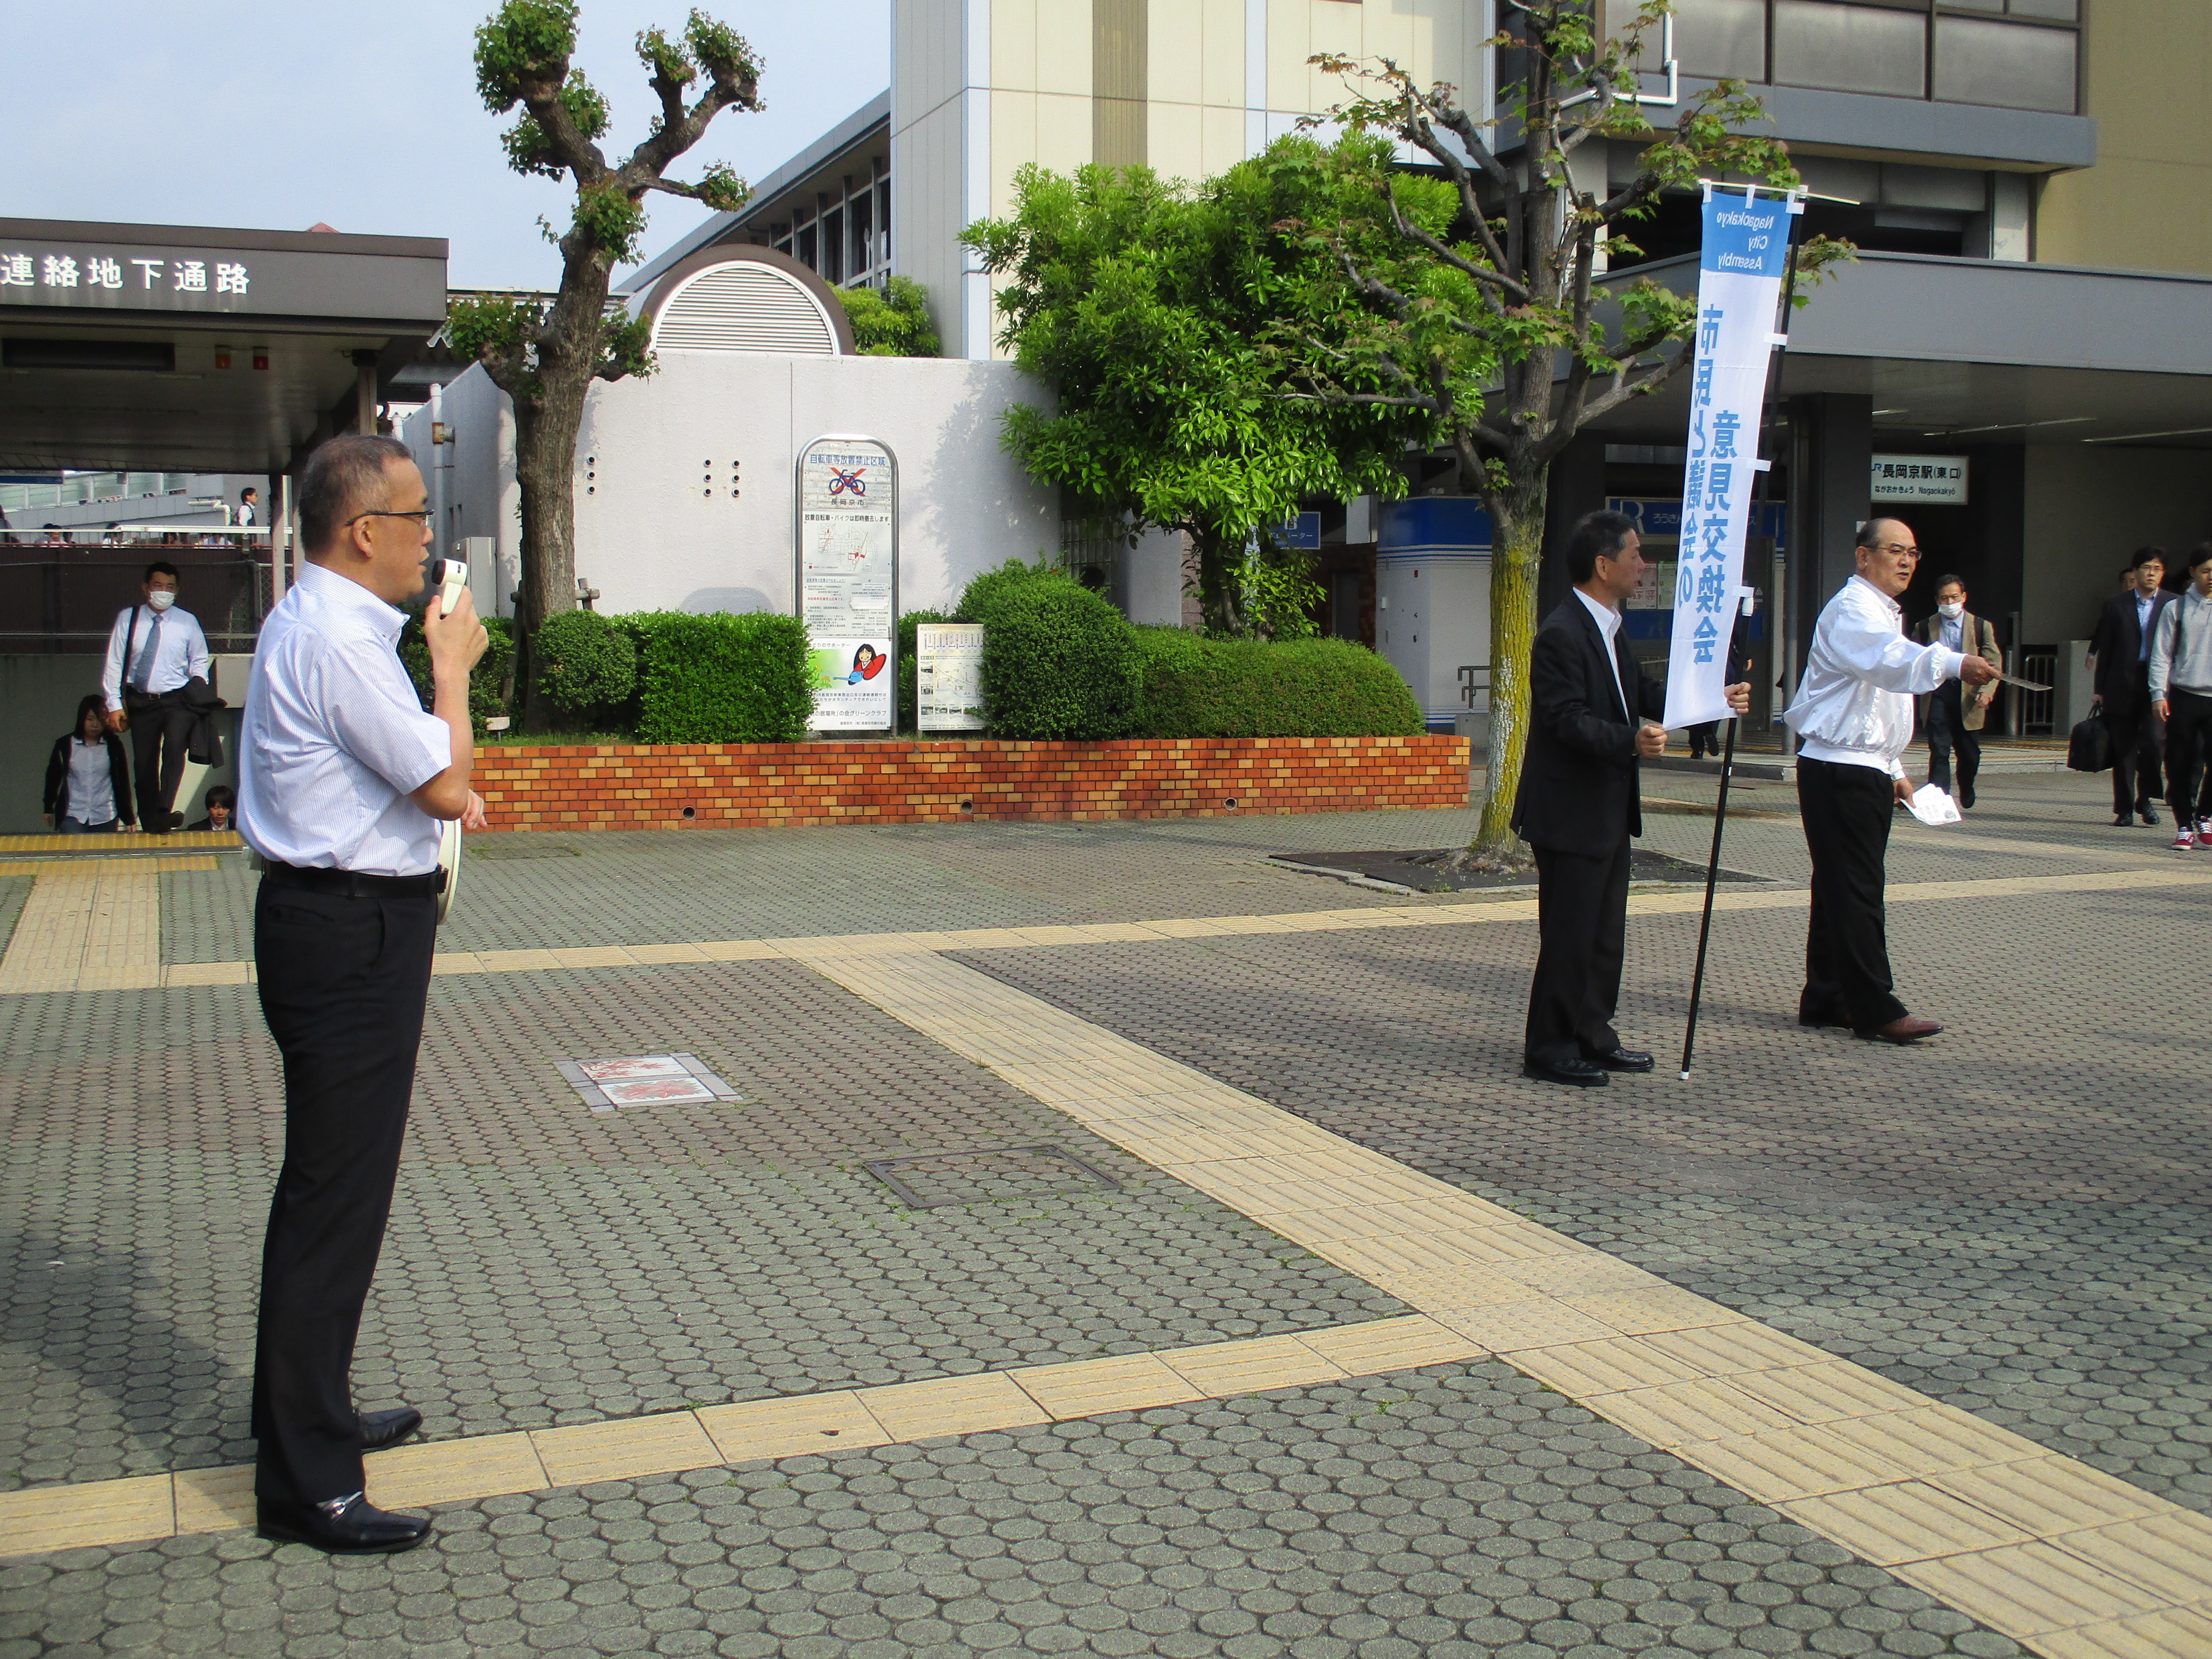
{"x": 1739, "y": 269}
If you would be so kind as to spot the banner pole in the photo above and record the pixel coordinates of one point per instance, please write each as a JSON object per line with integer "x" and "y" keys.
{"x": 1728, "y": 755}
{"x": 1712, "y": 875}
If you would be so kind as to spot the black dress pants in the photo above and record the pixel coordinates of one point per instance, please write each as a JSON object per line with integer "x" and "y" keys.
{"x": 160, "y": 730}
{"x": 1947, "y": 729}
{"x": 342, "y": 984}
{"x": 1847, "y": 811}
{"x": 2134, "y": 736}
{"x": 1582, "y": 927}
{"x": 2188, "y": 753}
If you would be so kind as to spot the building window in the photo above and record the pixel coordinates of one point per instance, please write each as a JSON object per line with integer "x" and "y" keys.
{"x": 2012, "y": 65}
{"x": 1721, "y": 38}
{"x": 1851, "y": 48}
{"x": 833, "y": 246}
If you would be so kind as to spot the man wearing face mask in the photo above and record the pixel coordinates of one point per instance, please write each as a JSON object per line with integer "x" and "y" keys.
{"x": 153, "y": 651}
{"x": 1955, "y": 714}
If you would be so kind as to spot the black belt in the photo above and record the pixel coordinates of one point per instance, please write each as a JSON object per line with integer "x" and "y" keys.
{"x": 352, "y": 883}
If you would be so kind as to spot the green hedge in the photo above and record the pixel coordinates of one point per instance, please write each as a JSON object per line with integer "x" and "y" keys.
{"x": 1059, "y": 661}
{"x": 720, "y": 678}
{"x": 1195, "y": 687}
{"x": 487, "y": 681}
{"x": 908, "y": 715}
{"x": 586, "y": 663}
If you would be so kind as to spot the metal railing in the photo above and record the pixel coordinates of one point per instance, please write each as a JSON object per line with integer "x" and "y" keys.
{"x": 1469, "y": 688}
{"x": 2039, "y": 663}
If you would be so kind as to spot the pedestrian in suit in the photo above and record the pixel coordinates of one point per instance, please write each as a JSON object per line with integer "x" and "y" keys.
{"x": 1955, "y": 718}
{"x": 1853, "y": 718}
{"x": 154, "y": 649}
{"x": 1593, "y": 718}
{"x": 2121, "y": 645}
{"x": 342, "y": 781}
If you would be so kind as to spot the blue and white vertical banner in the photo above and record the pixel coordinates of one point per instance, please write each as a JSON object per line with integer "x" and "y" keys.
{"x": 1740, "y": 265}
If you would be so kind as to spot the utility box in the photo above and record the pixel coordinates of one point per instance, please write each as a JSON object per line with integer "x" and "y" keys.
{"x": 2072, "y": 685}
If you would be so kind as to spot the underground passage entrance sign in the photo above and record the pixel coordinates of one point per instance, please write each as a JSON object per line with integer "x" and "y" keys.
{"x": 1740, "y": 265}
{"x": 847, "y": 580}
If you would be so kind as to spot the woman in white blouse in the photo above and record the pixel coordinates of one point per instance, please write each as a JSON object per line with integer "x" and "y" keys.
{"x": 87, "y": 780}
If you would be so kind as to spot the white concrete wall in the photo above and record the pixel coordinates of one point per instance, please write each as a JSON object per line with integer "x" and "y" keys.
{"x": 480, "y": 496}
{"x": 658, "y": 526}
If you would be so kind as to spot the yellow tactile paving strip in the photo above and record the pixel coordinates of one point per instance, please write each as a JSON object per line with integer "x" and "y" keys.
{"x": 95, "y": 847}
{"x": 147, "y": 1508}
{"x": 2069, "y": 1560}
{"x": 90, "y": 927}
{"x": 1675, "y": 902}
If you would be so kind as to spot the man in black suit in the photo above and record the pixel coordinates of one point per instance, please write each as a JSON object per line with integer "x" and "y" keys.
{"x": 1593, "y": 716}
{"x": 2121, "y": 645}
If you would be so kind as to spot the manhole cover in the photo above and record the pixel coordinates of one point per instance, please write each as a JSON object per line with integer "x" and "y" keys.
{"x": 988, "y": 1175}
{"x": 609, "y": 1085}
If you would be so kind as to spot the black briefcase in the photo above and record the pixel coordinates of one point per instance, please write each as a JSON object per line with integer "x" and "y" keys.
{"x": 2090, "y": 748}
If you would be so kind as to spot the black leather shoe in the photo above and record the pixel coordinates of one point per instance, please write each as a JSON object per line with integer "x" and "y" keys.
{"x": 1575, "y": 1073}
{"x": 2149, "y": 816}
{"x": 2123, "y": 821}
{"x": 350, "y": 1526}
{"x": 1966, "y": 796}
{"x": 1819, "y": 1016}
{"x": 382, "y": 1429}
{"x": 1622, "y": 1059}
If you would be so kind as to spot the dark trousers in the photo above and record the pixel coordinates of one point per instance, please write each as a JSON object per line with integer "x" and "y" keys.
{"x": 343, "y": 985}
{"x": 1947, "y": 729}
{"x": 160, "y": 728}
{"x": 2188, "y": 753}
{"x": 1582, "y": 927}
{"x": 2134, "y": 735}
{"x": 1847, "y": 811}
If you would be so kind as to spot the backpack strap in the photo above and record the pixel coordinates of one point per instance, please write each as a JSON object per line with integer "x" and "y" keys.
{"x": 131, "y": 638}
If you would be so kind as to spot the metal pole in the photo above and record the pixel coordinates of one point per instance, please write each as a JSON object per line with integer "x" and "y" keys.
{"x": 1712, "y": 874}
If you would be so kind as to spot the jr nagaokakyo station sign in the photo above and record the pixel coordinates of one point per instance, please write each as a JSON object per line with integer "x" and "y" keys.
{"x": 1745, "y": 252}
{"x": 847, "y": 580}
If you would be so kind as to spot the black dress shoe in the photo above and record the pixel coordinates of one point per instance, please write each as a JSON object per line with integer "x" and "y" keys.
{"x": 1621, "y": 1059}
{"x": 382, "y": 1429}
{"x": 2149, "y": 814}
{"x": 346, "y": 1526}
{"x": 1575, "y": 1073}
{"x": 1821, "y": 1016}
{"x": 1966, "y": 796}
{"x": 2123, "y": 821}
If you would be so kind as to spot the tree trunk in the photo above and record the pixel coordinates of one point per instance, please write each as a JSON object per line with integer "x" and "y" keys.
{"x": 1516, "y": 547}
{"x": 1220, "y": 603}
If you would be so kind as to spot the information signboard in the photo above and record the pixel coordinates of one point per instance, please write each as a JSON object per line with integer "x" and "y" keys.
{"x": 948, "y": 683}
{"x": 1931, "y": 480}
{"x": 847, "y": 582}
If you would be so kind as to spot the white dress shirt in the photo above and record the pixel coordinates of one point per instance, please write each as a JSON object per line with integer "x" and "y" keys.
{"x": 180, "y": 654}
{"x": 1855, "y": 703}
{"x": 335, "y": 739}
{"x": 91, "y": 798}
{"x": 1608, "y": 624}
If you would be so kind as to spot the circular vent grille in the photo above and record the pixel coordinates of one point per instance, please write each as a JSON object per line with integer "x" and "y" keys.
{"x": 744, "y": 305}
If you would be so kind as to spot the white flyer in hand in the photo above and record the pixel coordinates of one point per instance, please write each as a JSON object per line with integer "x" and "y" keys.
{"x": 1934, "y": 806}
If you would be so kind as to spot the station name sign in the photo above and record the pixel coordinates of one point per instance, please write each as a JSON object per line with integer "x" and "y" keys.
{"x": 1931, "y": 480}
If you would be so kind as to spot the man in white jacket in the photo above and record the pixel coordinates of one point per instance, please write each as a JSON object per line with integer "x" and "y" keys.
{"x": 1853, "y": 718}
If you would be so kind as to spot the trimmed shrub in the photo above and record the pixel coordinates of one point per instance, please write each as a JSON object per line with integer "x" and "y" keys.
{"x": 989, "y": 589}
{"x": 1059, "y": 662}
{"x": 1195, "y": 687}
{"x": 909, "y": 717}
{"x": 585, "y": 662}
{"x": 720, "y": 678}
{"x": 489, "y": 681}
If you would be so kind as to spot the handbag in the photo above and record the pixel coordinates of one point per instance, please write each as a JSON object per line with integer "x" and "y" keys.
{"x": 2090, "y": 747}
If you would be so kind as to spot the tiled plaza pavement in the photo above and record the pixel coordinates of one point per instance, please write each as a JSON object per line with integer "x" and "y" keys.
{"x": 547, "y": 1265}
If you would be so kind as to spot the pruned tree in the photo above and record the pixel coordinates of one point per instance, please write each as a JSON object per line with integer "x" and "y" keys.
{"x": 1145, "y": 304}
{"x": 1513, "y": 283}
{"x": 546, "y": 353}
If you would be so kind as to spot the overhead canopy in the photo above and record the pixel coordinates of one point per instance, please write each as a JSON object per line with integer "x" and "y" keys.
{"x": 113, "y": 340}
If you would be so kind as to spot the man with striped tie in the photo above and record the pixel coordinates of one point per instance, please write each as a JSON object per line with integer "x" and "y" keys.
{"x": 153, "y": 651}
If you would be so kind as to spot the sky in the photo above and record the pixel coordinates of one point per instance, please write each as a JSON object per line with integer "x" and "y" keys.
{"x": 269, "y": 116}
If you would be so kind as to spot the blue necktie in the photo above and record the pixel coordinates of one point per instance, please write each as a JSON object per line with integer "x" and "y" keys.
{"x": 143, "y": 671}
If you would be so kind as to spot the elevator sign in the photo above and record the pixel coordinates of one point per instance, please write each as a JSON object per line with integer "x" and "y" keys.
{"x": 1930, "y": 480}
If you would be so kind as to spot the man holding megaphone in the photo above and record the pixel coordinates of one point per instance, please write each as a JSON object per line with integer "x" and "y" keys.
{"x": 343, "y": 783}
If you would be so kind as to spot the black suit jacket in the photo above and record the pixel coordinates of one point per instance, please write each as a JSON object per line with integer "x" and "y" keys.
{"x": 58, "y": 778}
{"x": 2116, "y": 644}
{"x": 1580, "y": 780}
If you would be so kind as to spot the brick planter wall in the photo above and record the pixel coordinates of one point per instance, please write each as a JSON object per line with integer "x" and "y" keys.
{"x": 733, "y": 785}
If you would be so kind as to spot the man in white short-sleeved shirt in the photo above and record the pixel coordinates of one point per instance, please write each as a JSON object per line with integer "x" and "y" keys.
{"x": 342, "y": 781}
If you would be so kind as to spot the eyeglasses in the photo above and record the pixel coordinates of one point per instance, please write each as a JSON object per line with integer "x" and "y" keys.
{"x": 422, "y": 516}
{"x": 1897, "y": 547}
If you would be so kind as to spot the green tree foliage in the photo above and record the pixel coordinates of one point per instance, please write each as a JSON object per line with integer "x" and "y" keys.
{"x": 720, "y": 678}
{"x": 1160, "y": 314}
{"x": 892, "y": 323}
{"x": 1195, "y": 687}
{"x": 545, "y": 352}
{"x": 586, "y": 664}
{"x": 1499, "y": 276}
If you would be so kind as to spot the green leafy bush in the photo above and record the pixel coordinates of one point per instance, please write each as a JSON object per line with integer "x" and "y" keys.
{"x": 1059, "y": 661}
{"x": 892, "y": 323}
{"x": 586, "y": 663}
{"x": 987, "y": 590}
{"x": 489, "y": 681}
{"x": 1195, "y": 687}
{"x": 720, "y": 678}
{"x": 909, "y": 715}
